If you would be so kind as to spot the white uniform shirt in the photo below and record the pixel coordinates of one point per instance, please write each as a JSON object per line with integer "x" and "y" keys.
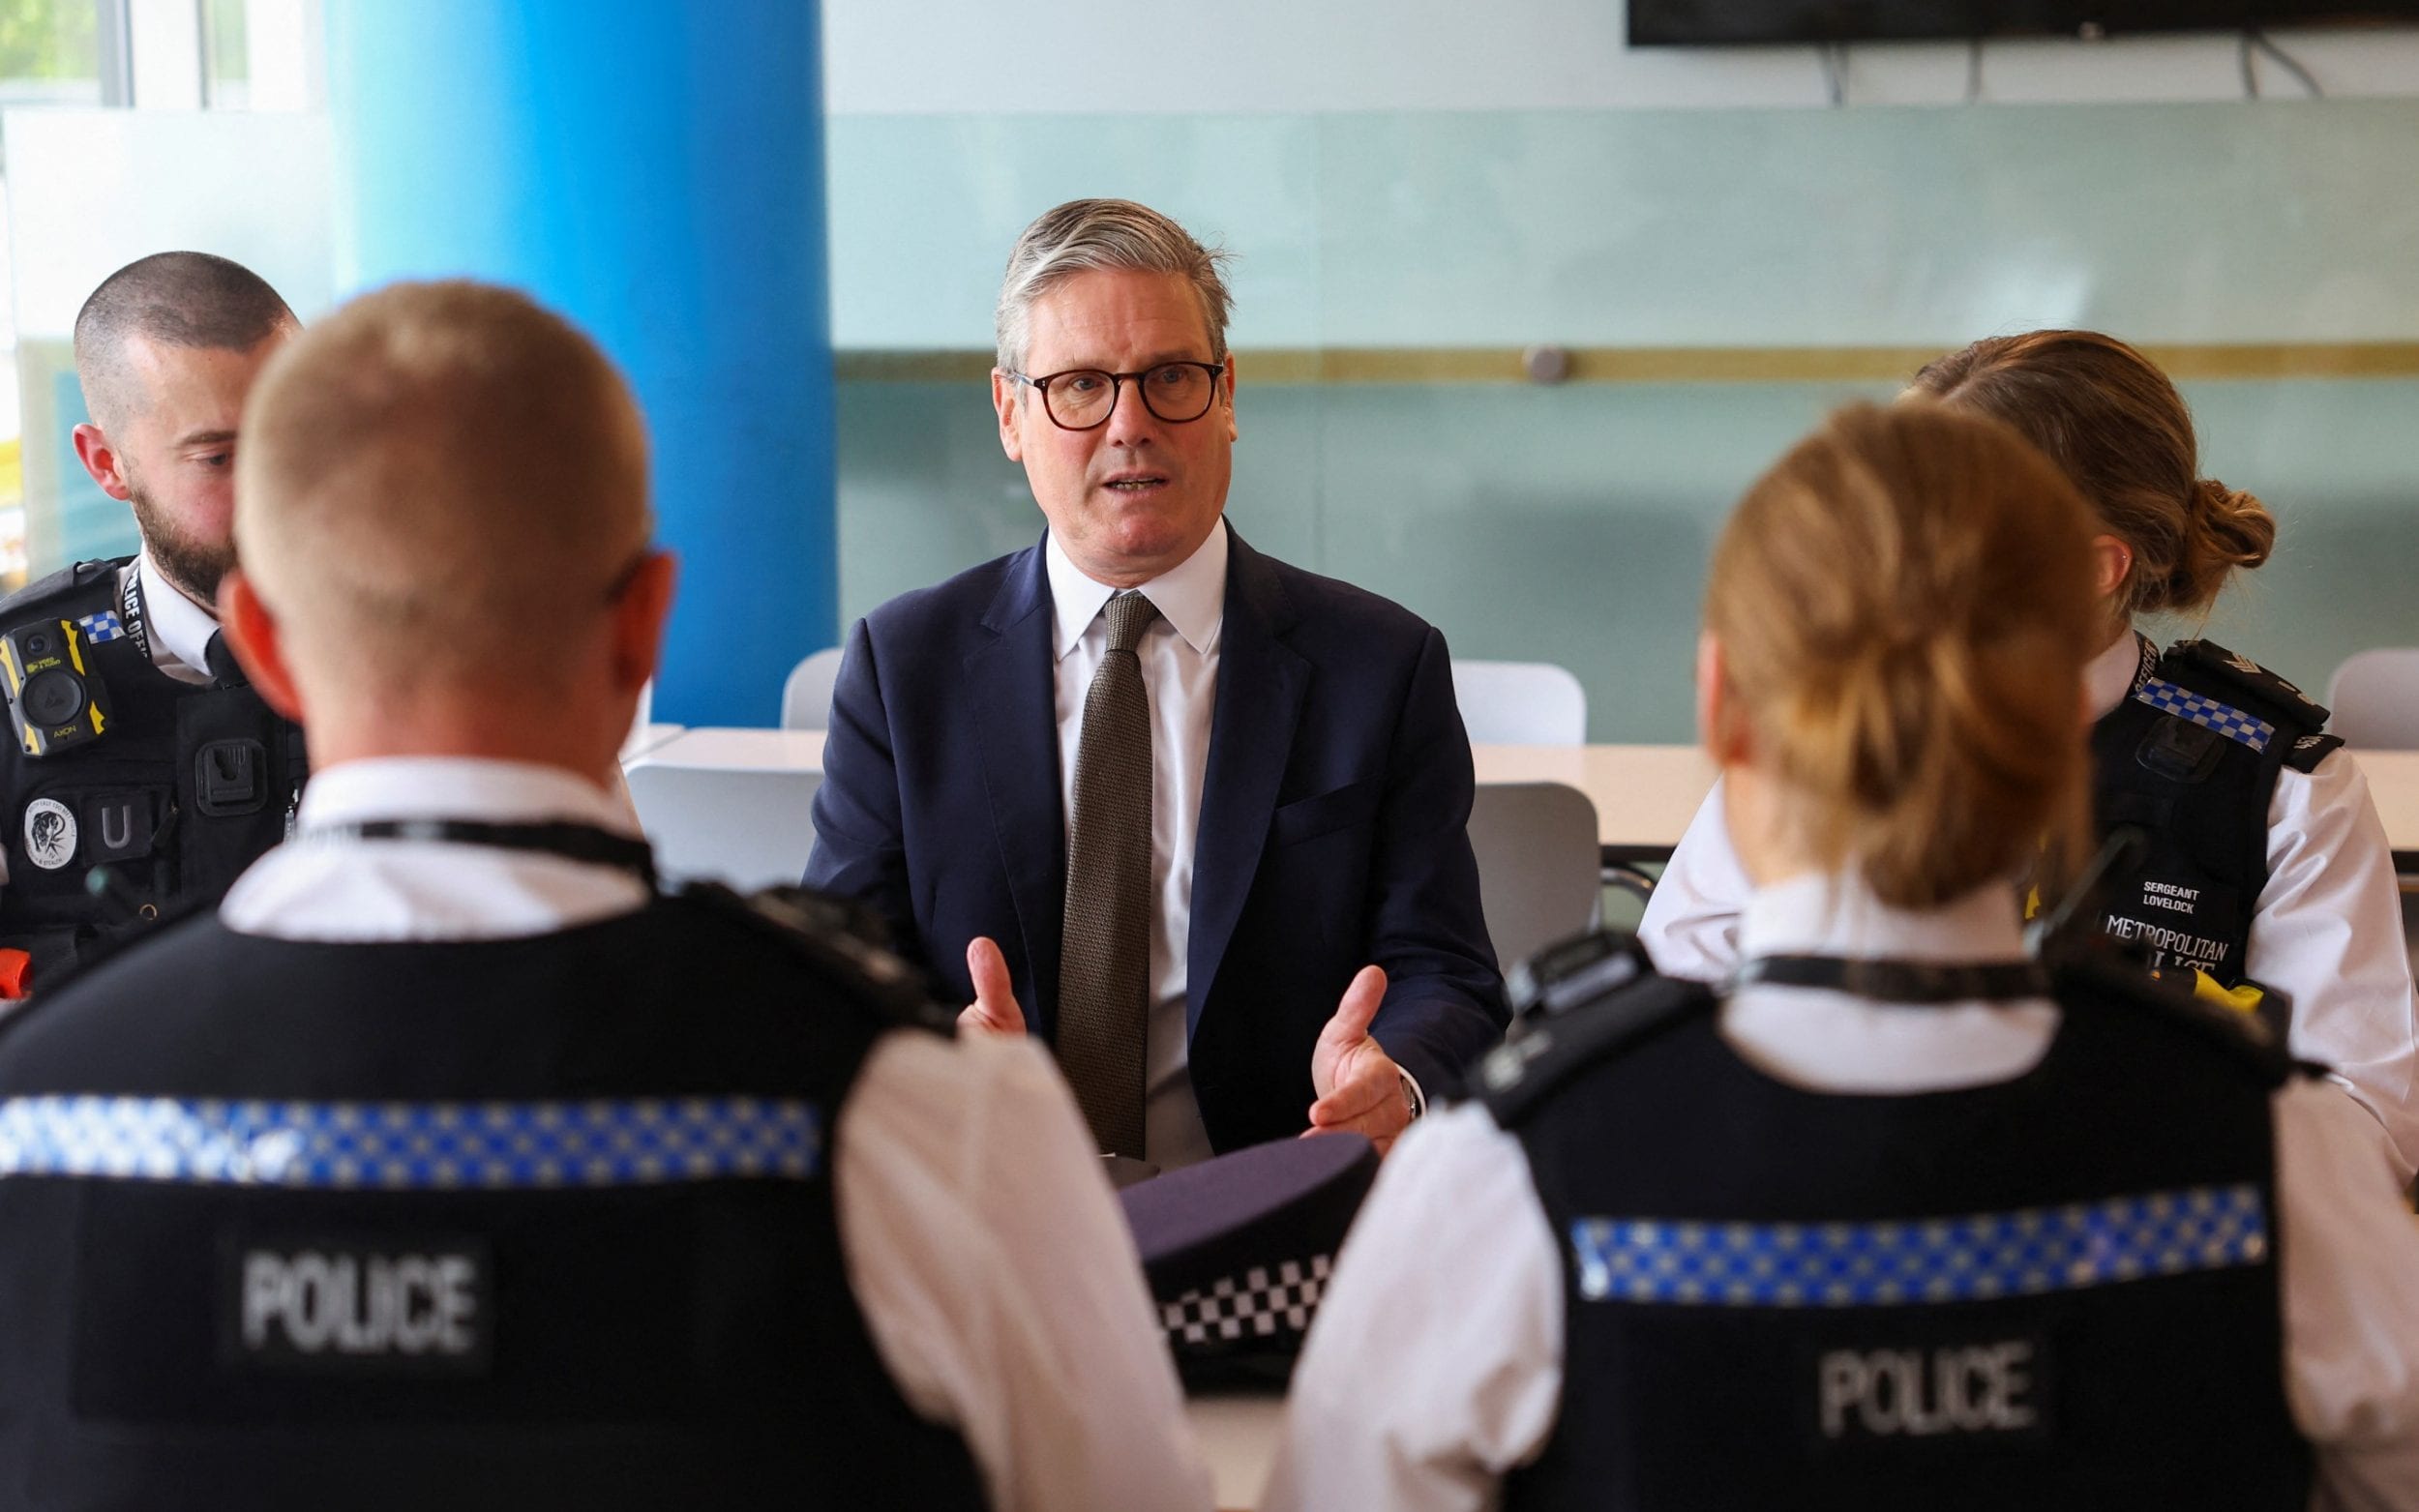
{"x": 1179, "y": 665}
{"x": 1435, "y": 1365}
{"x": 2326, "y": 928}
{"x": 994, "y": 1274}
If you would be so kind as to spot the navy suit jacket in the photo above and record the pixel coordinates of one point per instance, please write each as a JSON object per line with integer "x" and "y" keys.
{"x": 1334, "y": 829}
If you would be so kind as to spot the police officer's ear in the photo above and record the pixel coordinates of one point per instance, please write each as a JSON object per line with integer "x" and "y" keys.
{"x": 102, "y": 460}
{"x": 640, "y": 607}
{"x": 1719, "y": 726}
{"x": 253, "y": 632}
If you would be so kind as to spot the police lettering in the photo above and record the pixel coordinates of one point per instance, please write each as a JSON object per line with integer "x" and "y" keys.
{"x": 2189, "y": 950}
{"x": 1917, "y": 1393}
{"x": 360, "y": 1304}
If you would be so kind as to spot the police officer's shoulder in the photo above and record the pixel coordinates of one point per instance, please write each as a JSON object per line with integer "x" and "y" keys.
{"x": 2235, "y": 681}
{"x": 1581, "y": 1002}
{"x": 837, "y": 939}
{"x": 2112, "y": 981}
{"x": 66, "y": 585}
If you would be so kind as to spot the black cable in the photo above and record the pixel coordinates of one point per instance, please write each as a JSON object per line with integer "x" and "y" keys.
{"x": 2242, "y": 59}
{"x": 1974, "y": 71}
{"x": 1835, "y": 71}
{"x": 2254, "y": 38}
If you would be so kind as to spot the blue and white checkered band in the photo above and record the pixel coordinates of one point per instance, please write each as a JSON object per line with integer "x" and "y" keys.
{"x": 100, "y": 626}
{"x": 412, "y": 1146}
{"x": 2231, "y": 723}
{"x": 1980, "y": 1258}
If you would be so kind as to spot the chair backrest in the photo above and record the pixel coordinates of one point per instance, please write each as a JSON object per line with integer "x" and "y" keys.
{"x": 750, "y": 827}
{"x": 1539, "y": 867}
{"x": 2375, "y": 699}
{"x": 1520, "y": 703}
{"x": 806, "y": 696}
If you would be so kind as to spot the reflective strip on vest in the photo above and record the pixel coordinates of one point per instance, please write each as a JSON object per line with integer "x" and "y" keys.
{"x": 412, "y": 1146}
{"x": 1921, "y": 1260}
{"x": 2208, "y": 713}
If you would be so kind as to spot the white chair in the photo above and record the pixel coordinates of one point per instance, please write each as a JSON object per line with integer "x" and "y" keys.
{"x": 1537, "y": 865}
{"x": 2376, "y": 699}
{"x": 750, "y": 827}
{"x": 806, "y": 696}
{"x": 1520, "y": 703}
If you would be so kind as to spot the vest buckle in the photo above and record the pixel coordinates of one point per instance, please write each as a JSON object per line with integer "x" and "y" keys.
{"x": 230, "y": 777}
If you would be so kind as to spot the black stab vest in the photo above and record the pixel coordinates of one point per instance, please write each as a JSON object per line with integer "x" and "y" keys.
{"x": 541, "y": 1222}
{"x": 1782, "y": 1298}
{"x": 2199, "y": 791}
{"x": 140, "y": 799}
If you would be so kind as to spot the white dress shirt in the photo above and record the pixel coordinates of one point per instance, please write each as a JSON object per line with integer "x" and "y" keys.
{"x": 994, "y": 1274}
{"x": 1429, "y": 1415}
{"x": 1179, "y": 665}
{"x": 2327, "y": 928}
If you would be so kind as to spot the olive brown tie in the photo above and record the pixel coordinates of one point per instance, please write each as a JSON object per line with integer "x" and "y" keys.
{"x": 1104, "y": 960}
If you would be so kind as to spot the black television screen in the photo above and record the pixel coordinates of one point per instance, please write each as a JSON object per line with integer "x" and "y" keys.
{"x": 1706, "y": 22}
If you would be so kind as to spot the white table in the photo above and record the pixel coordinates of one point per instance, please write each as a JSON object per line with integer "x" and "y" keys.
{"x": 1644, "y": 795}
{"x": 645, "y": 738}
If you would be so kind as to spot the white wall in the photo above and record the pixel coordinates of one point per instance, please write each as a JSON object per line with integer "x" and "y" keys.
{"x": 984, "y": 57}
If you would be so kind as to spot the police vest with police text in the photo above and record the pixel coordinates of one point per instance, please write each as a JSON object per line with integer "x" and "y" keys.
{"x": 511, "y": 1223}
{"x": 2057, "y": 1290}
{"x": 185, "y": 787}
{"x": 2190, "y": 759}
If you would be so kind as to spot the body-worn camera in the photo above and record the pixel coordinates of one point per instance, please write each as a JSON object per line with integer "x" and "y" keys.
{"x": 55, "y": 700}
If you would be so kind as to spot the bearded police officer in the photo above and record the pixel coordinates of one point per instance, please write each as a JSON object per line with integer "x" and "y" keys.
{"x": 141, "y": 773}
{"x": 1899, "y": 1220}
{"x": 449, "y": 1164}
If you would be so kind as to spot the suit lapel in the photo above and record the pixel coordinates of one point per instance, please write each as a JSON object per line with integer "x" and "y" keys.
{"x": 1261, "y": 685}
{"x": 1011, "y": 691}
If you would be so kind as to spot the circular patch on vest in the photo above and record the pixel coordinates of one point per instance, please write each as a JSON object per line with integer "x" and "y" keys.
{"x": 49, "y": 834}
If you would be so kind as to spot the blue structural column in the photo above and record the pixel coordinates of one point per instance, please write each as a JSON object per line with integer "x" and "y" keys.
{"x": 653, "y": 170}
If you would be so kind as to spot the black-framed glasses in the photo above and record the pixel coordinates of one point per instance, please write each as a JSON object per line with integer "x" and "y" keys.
{"x": 1083, "y": 398}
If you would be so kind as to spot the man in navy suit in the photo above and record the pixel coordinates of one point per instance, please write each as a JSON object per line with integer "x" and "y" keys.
{"x": 1210, "y": 843}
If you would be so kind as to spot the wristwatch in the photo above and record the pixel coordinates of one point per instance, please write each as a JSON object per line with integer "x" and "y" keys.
{"x": 1414, "y": 1103}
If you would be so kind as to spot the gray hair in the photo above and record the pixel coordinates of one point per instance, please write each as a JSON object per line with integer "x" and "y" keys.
{"x": 1083, "y": 235}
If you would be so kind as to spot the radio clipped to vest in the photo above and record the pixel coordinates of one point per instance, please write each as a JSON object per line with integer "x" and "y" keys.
{"x": 56, "y": 699}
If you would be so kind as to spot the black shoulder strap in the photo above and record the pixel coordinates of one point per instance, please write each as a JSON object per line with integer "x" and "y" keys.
{"x": 2206, "y": 668}
{"x": 2095, "y": 979}
{"x": 2308, "y": 750}
{"x": 1546, "y": 1053}
{"x": 67, "y": 589}
{"x": 834, "y": 936}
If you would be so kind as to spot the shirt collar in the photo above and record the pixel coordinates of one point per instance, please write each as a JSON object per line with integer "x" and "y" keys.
{"x": 455, "y": 788}
{"x": 1190, "y": 596}
{"x": 175, "y": 623}
{"x": 2108, "y": 678}
{"x": 1839, "y": 915}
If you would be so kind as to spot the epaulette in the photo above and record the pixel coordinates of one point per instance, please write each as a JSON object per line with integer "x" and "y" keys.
{"x": 2234, "y": 695}
{"x": 1545, "y": 1053}
{"x": 2308, "y": 750}
{"x": 2107, "y": 977}
{"x": 842, "y": 940}
{"x": 63, "y": 584}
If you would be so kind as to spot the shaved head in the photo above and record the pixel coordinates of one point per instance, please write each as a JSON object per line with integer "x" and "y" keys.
{"x": 179, "y": 299}
{"x": 442, "y": 487}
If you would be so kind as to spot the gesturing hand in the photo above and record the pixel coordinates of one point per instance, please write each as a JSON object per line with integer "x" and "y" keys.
{"x": 1359, "y": 1086}
{"x": 993, "y": 1010}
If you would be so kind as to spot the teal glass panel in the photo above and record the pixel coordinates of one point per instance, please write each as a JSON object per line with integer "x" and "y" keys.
{"x": 1572, "y": 524}
{"x": 91, "y": 523}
